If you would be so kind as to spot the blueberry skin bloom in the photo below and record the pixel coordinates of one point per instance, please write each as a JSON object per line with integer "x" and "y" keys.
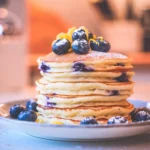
{"x": 80, "y": 47}
{"x": 142, "y": 116}
{"x": 98, "y": 45}
{"x": 31, "y": 105}
{"x": 79, "y": 34}
{"x": 27, "y": 115}
{"x": 117, "y": 120}
{"x": 15, "y": 110}
{"x": 61, "y": 46}
{"x": 88, "y": 121}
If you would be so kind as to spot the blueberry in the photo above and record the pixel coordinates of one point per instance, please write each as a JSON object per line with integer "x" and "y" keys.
{"x": 90, "y": 36}
{"x": 31, "y": 105}
{"x": 61, "y": 46}
{"x": 122, "y": 78}
{"x": 15, "y": 110}
{"x": 78, "y": 66}
{"x": 94, "y": 45}
{"x": 117, "y": 120}
{"x": 43, "y": 67}
{"x": 140, "y": 114}
{"x": 114, "y": 92}
{"x": 88, "y": 120}
{"x": 50, "y": 104}
{"x": 99, "y": 45}
{"x": 79, "y": 34}
{"x": 120, "y": 64}
{"x": 27, "y": 115}
{"x": 80, "y": 46}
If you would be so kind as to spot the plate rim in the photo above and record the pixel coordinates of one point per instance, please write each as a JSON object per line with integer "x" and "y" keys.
{"x": 132, "y": 124}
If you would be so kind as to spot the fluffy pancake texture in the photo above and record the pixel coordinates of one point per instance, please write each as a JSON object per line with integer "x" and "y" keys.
{"x": 74, "y": 86}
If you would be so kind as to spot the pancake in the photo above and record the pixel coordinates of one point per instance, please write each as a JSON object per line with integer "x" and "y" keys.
{"x": 84, "y": 86}
{"x": 89, "y": 57}
{"x": 82, "y": 111}
{"x": 87, "y": 74}
{"x": 83, "y": 104}
{"x": 97, "y": 61}
{"x": 84, "y": 92}
{"x": 80, "y": 99}
{"x": 102, "y": 77}
{"x": 59, "y": 120}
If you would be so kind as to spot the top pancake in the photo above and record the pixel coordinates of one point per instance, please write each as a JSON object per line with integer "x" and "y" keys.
{"x": 91, "y": 56}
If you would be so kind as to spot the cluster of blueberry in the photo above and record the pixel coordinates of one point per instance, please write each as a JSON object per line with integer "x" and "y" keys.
{"x": 80, "y": 40}
{"x": 113, "y": 120}
{"x": 25, "y": 114}
{"x": 138, "y": 114}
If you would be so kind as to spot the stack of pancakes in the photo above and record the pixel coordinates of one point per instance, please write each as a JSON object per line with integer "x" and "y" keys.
{"x": 74, "y": 87}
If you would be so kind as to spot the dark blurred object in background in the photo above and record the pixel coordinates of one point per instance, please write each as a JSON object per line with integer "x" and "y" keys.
{"x": 130, "y": 13}
{"x": 10, "y": 23}
{"x": 13, "y": 50}
{"x": 146, "y": 27}
{"x": 104, "y": 9}
{"x": 3, "y": 2}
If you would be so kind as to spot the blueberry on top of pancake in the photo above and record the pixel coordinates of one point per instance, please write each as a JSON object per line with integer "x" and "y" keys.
{"x": 79, "y": 34}
{"x": 61, "y": 46}
{"x": 80, "y": 46}
{"x": 100, "y": 45}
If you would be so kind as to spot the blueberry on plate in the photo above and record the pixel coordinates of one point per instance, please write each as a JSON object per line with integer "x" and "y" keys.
{"x": 15, "y": 110}
{"x": 99, "y": 45}
{"x": 31, "y": 105}
{"x": 79, "y": 34}
{"x": 80, "y": 46}
{"x": 117, "y": 120}
{"x": 27, "y": 115}
{"x": 140, "y": 114}
{"x": 88, "y": 120}
{"x": 61, "y": 46}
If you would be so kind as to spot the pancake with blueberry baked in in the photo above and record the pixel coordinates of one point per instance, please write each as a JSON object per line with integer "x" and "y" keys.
{"x": 81, "y": 79}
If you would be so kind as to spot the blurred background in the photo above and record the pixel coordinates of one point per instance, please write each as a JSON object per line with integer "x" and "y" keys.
{"x": 28, "y": 27}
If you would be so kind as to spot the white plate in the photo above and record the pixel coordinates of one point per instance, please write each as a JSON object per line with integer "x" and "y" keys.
{"x": 74, "y": 132}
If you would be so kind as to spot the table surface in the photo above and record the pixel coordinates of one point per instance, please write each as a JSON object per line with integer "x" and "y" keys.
{"x": 14, "y": 140}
